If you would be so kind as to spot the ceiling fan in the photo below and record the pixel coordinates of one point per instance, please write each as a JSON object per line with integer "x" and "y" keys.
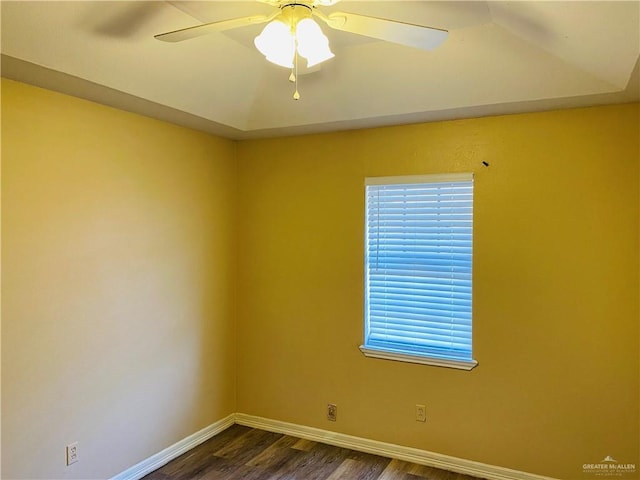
{"x": 292, "y": 32}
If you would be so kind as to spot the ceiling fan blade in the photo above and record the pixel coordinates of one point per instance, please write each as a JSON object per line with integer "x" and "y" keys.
{"x": 221, "y": 26}
{"x": 273, "y": 3}
{"x": 425, "y": 38}
{"x": 315, "y": 3}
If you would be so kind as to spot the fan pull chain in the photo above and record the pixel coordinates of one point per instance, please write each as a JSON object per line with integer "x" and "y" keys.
{"x": 292, "y": 77}
{"x": 296, "y": 94}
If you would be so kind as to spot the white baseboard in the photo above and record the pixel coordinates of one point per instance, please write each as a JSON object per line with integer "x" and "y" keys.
{"x": 413, "y": 455}
{"x": 409, "y": 454}
{"x": 165, "y": 456}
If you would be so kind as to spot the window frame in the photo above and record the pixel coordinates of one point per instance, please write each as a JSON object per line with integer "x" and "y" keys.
{"x": 425, "y": 358}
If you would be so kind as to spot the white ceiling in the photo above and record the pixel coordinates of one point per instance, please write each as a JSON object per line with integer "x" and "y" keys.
{"x": 499, "y": 57}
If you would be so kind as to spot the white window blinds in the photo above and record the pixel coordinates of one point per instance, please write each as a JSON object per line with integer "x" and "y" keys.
{"x": 418, "y": 256}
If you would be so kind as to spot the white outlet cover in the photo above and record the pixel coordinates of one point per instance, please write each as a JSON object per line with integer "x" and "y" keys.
{"x": 72, "y": 453}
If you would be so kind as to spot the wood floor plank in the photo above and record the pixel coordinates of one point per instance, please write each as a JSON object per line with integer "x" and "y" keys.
{"x": 204, "y": 466}
{"x": 391, "y": 472}
{"x": 316, "y": 464}
{"x": 399, "y": 470}
{"x": 157, "y": 475}
{"x": 346, "y": 470}
{"x": 304, "y": 444}
{"x": 375, "y": 462}
{"x": 274, "y": 456}
{"x": 248, "y": 445}
{"x": 243, "y": 453}
{"x": 352, "y": 469}
{"x": 191, "y": 458}
{"x": 238, "y": 472}
{"x": 431, "y": 473}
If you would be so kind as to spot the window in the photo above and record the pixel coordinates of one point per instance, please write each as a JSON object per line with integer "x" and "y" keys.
{"x": 418, "y": 260}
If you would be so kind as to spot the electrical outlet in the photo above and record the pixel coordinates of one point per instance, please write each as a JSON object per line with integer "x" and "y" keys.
{"x": 332, "y": 412}
{"x": 421, "y": 413}
{"x": 72, "y": 453}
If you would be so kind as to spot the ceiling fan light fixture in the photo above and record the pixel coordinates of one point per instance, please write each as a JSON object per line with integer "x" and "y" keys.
{"x": 293, "y": 30}
{"x": 277, "y": 44}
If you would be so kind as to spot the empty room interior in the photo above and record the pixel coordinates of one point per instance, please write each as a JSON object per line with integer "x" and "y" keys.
{"x": 194, "y": 237}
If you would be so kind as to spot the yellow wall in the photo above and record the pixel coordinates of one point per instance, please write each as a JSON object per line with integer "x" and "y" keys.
{"x": 126, "y": 239}
{"x": 118, "y": 284}
{"x": 555, "y": 294}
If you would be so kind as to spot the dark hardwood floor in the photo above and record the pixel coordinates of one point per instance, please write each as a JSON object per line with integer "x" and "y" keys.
{"x": 243, "y": 453}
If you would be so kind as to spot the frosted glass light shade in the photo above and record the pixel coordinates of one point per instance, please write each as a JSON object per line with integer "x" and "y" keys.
{"x": 312, "y": 43}
{"x": 277, "y": 43}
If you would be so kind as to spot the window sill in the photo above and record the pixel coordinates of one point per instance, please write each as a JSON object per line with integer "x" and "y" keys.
{"x": 403, "y": 357}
